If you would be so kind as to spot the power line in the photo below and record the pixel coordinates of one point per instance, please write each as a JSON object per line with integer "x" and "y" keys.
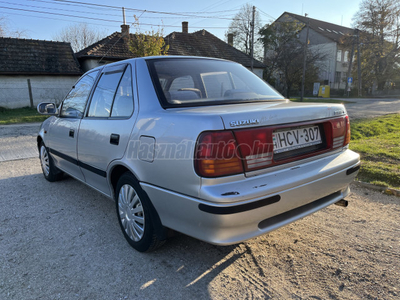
{"x": 97, "y": 13}
{"x": 133, "y": 9}
{"x": 58, "y": 19}
{"x": 105, "y": 20}
{"x": 265, "y": 14}
{"x": 57, "y": 14}
{"x": 59, "y": 9}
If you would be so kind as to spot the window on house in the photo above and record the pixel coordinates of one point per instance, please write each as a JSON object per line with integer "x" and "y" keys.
{"x": 339, "y": 55}
{"x": 338, "y": 77}
{"x": 346, "y": 56}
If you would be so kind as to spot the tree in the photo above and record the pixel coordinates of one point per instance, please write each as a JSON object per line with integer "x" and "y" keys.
{"x": 284, "y": 57}
{"x": 240, "y": 27}
{"x": 2, "y": 30}
{"x": 79, "y": 35}
{"x": 6, "y": 32}
{"x": 149, "y": 43}
{"x": 379, "y": 25}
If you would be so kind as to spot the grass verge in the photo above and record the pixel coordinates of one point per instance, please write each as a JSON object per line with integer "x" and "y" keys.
{"x": 378, "y": 142}
{"x": 20, "y": 115}
{"x": 320, "y": 100}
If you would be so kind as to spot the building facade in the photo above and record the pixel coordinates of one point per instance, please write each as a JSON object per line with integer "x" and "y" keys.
{"x": 333, "y": 43}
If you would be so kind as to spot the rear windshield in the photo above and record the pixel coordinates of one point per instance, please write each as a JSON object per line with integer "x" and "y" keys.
{"x": 194, "y": 82}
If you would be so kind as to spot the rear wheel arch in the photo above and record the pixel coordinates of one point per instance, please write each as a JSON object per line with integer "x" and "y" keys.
{"x": 115, "y": 175}
{"x": 159, "y": 232}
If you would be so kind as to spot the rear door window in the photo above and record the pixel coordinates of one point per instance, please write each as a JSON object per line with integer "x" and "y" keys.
{"x": 113, "y": 96}
{"x": 123, "y": 101}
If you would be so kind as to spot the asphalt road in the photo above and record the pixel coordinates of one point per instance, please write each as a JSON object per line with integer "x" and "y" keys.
{"x": 368, "y": 108}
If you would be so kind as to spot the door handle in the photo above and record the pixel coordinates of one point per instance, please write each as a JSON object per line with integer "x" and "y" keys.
{"x": 71, "y": 133}
{"x": 114, "y": 139}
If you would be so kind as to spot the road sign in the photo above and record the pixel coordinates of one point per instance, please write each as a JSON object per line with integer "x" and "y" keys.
{"x": 349, "y": 79}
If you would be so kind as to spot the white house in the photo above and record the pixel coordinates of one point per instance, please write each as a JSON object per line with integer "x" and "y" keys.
{"x": 33, "y": 71}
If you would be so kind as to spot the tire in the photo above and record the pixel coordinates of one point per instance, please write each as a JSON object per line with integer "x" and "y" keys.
{"x": 136, "y": 215}
{"x": 50, "y": 171}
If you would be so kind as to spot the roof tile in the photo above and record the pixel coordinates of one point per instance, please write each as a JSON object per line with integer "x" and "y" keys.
{"x": 22, "y": 56}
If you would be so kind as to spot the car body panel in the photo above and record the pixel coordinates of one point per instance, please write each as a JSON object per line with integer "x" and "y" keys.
{"x": 62, "y": 139}
{"x": 96, "y": 149}
{"x": 225, "y": 229}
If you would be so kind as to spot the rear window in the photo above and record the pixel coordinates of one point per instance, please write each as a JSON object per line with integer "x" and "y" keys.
{"x": 194, "y": 82}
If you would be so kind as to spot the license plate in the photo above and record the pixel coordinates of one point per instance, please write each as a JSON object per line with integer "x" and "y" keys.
{"x": 297, "y": 138}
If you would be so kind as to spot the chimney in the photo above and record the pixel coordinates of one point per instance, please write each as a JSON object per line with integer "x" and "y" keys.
{"x": 125, "y": 32}
{"x": 230, "y": 39}
{"x": 185, "y": 27}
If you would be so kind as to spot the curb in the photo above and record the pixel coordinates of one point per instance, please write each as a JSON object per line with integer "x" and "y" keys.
{"x": 384, "y": 190}
{"x": 22, "y": 125}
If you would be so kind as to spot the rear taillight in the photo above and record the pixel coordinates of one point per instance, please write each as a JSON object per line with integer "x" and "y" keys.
{"x": 340, "y": 132}
{"x": 348, "y": 135}
{"x": 217, "y": 155}
{"x": 256, "y": 147}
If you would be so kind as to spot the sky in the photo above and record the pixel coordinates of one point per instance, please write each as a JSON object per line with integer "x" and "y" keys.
{"x": 44, "y": 19}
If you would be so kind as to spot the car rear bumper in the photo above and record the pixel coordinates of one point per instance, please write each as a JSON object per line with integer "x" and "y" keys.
{"x": 264, "y": 207}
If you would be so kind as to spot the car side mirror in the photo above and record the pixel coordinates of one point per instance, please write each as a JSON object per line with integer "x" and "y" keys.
{"x": 46, "y": 108}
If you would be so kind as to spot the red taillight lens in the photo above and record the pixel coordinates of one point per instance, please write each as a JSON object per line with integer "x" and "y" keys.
{"x": 348, "y": 134}
{"x": 338, "y": 132}
{"x": 217, "y": 155}
{"x": 256, "y": 147}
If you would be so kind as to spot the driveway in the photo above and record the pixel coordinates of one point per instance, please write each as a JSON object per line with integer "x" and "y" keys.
{"x": 62, "y": 241}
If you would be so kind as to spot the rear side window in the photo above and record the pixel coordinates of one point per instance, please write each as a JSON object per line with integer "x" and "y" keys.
{"x": 75, "y": 102}
{"x": 104, "y": 95}
{"x": 113, "y": 95}
{"x": 123, "y": 101}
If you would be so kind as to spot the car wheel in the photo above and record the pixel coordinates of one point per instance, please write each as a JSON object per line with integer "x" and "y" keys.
{"x": 136, "y": 215}
{"x": 50, "y": 172}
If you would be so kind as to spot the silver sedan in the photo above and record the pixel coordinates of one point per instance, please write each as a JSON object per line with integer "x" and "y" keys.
{"x": 201, "y": 146}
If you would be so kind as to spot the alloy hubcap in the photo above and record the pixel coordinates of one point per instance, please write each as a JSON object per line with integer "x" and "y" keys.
{"x": 44, "y": 158}
{"x": 131, "y": 212}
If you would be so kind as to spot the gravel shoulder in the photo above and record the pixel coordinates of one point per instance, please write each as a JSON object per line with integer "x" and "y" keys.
{"x": 62, "y": 241}
{"x": 18, "y": 141}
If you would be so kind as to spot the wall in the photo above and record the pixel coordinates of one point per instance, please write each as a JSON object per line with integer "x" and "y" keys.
{"x": 14, "y": 92}
{"x": 327, "y": 65}
{"x": 88, "y": 64}
{"x": 258, "y": 72}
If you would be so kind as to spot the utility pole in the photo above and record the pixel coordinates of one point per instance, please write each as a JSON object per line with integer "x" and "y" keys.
{"x": 123, "y": 16}
{"x": 349, "y": 70}
{"x": 252, "y": 39}
{"x": 358, "y": 63}
{"x": 304, "y": 61}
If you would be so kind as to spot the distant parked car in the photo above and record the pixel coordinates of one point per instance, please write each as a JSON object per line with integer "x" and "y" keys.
{"x": 201, "y": 146}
